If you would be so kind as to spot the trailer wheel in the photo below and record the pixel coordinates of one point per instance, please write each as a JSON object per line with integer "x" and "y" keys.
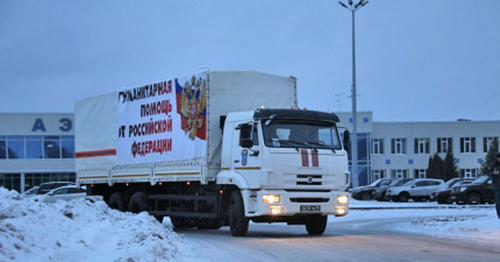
{"x": 138, "y": 203}
{"x": 238, "y": 223}
{"x": 118, "y": 201}
{"x": 209, "y": 223}
{"x": 316, "y": 225}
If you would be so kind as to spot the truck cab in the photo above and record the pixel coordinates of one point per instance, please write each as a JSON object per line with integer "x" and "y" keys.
{"x": 289, "y": 165}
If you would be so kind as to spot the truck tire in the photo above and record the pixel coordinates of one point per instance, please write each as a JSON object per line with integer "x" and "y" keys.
{"x": 138, "y": 203}
{"x": 209, "y": 223}
{"x": 238, "y": 223}
{"x": 316, "y": 225}
{"x": 118, "y": 201}
{"x": 183, "y": 222}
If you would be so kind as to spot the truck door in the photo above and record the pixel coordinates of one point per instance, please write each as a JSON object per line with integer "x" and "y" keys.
{"x": 245, "y": 156}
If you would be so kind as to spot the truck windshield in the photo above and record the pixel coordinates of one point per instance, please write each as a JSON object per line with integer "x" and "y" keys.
{"x": 292, "y": 134}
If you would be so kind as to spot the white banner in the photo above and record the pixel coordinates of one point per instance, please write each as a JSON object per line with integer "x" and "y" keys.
{"x": 165, "y": 121}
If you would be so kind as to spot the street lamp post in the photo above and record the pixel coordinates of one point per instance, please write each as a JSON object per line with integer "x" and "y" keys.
{"x": 354, "y": 141}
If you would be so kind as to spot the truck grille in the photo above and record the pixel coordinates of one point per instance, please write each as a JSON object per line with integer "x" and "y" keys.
{"x": 309, "y": 200}
{"x": 309, "y": 180}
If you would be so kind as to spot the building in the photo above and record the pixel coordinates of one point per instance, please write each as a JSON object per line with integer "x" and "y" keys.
{"x": 403, "y": 149}
{"x": 36, "y": 148}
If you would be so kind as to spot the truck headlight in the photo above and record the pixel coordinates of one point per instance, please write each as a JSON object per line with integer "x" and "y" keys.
{"x": 342, "y": 199}
{"x": 271, "y": 199}
{"x": 462, "y": 189}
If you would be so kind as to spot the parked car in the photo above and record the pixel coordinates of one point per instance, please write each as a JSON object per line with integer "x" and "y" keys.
{"x": 65, "y": 193}
{"x": 380, "y": 193}
{"x": 46, "y": 187}
{"x": 30, "y": 192}
{"x": 417, "y": 189}
{"x": 365, "y": 192}
{"x": 443, "y": 194}
{"x": 479, "y": 191}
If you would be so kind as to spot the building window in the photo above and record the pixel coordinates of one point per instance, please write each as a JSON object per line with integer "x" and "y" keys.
{"x": 34, "y": 147}
{"x": 420, "y": 173}
{"x": 52, "y": 147}
{"x": 37, "y": 147}
{"x": 15, "y": 147}
{"x": 3, "y": 147}
{"x": 11, "y": 181}
{"x": 444, "y": 144}
{"x": 377, "y": 146}
{"x": 468, "y": 173}
{"x": 35, "y": 179}
{"x": 399, "y": 173}
{"x": 488, "y": 141}
{"x": 422, "y": 145}
{"x": 398, "y": 146}
{"x": 68, "y": 146}
{"x": 467, "y": 145}
{"x": 378, "y": 174}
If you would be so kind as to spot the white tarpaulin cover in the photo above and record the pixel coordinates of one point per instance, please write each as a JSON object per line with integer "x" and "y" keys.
{"x": 163, "y": 126}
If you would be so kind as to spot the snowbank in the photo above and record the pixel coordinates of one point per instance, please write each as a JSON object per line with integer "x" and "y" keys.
{"x": 80, "y": 231}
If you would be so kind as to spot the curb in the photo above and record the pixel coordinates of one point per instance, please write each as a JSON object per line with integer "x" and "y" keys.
{"x": 422, "y": 207}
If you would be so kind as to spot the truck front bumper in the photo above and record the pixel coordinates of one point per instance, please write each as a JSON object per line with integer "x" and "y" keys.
{"x": 292, "y": 203}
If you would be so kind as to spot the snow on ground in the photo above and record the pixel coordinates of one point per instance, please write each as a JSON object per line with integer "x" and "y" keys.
{"x": 472, "y": 223}
{"x": 81, "y": 230}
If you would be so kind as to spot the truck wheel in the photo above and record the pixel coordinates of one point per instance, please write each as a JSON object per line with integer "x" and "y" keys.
{"x": 209, "y": 223}
{"x": 183, "y": 222}
{"x": 403, "y": 197}
{"x": 118, "y": 201}
{"x": 474, "y": 198}
{"x": 138, "y": 203}
{"x": 316, "y": 225}
{"x": 238, "y": 223}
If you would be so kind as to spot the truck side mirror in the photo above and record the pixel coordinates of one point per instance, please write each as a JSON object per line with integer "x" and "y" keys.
{"x": 346, "y": 140}
{"x": 245, "y": 135}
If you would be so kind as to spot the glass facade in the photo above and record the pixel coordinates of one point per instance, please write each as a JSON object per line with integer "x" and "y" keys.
{"x": 11, "y": 181}
{"x": 363, "y": 159}
{"x": 14, "y": 180}
{"x": 37, "y": 147}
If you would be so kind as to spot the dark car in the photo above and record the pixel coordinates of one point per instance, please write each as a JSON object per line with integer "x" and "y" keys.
{"x": 380, "y": 193}
{"x": 479, "y": 191}
{"x": 46, "y": 187}
{"x": 443, "y": 195}
{"x": 365, "y": 192}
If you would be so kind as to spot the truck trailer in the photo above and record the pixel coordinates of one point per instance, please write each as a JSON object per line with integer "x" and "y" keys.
{"x": 218, "y": 148}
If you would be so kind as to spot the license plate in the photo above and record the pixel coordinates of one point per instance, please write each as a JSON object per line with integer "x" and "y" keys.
{"x": 309, "y": 208}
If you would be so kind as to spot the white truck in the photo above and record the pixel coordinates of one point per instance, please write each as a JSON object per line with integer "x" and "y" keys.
{"x": 214, "y": 149}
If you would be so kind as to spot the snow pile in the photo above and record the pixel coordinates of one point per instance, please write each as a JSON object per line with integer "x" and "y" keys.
{"x": 80, "y": 231}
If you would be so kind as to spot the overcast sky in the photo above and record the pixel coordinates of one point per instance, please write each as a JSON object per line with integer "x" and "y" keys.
{"x": 422, "y": 60}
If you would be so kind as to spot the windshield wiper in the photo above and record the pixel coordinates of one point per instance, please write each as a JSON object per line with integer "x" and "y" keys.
{"x": 289, "y": 142}
{"x": 322, "y": 145}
